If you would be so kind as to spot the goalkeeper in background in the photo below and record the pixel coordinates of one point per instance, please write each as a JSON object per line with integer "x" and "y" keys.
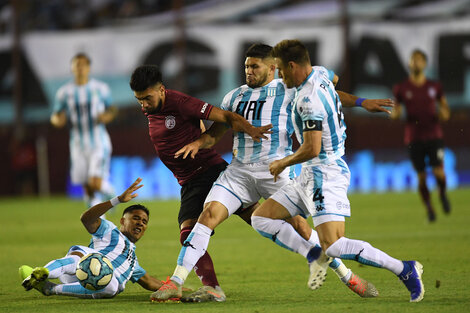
{"x": 116, "y": 244}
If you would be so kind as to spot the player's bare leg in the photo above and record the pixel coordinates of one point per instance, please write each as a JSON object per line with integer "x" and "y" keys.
{"x": 425, "y": 196}
{"x": 440, "y": 175}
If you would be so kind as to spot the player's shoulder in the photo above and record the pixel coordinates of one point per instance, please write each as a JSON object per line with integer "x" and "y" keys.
{"x": 235, "y": 93}
{"x": 98, "y": 83}
{"x": 65, "y": 87}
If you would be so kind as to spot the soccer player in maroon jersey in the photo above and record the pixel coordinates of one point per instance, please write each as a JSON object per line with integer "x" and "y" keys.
{"x": 423, "y": 133}
{"x": 175, "y": 121}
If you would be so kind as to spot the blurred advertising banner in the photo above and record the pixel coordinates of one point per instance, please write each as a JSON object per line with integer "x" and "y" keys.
{"x": 214, "y": 56}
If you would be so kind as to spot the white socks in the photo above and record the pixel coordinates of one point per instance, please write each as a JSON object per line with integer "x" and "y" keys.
{"x": 66, "y": 265}
{"x": 193, "y": 248}
{"x": 363, "y": 252}
{"x": 282, "y": 233}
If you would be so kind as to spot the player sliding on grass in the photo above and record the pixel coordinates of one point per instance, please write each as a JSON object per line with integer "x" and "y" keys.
{"x": 117, "y": 244}
{"x": 321, "y": 188}
{"x": 262, "y": 100}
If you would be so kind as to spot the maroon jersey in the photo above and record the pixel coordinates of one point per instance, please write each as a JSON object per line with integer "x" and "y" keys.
{"x": 176, "y": 125}
{"x": 422, "y": 122}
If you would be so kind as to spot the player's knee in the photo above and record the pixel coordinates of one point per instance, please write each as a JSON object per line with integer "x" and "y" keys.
{"x": 259, "y": 223}
{"x": 213, "y": 215}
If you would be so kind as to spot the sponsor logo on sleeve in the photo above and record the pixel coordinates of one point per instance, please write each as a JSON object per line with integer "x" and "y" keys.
{"x": 204, "y": 107}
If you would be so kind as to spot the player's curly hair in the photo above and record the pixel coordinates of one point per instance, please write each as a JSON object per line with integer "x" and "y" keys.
{"x": 134, "y": 207}
{"x": 145, "y": 76}
{"x": 291, "y": 50}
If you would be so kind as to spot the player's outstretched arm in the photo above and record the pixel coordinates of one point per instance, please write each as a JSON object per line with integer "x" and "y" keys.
{"x": 240, "y": 124}
{"x": 444, "y": 111}
{"x": 91, "y": 217}
{"x": 309, "y": 149}
{"x": 150, "y": 283}
{"x": 207, "y": 140}
{"x": 108, "y": 115}
{"x": 371, "y": 105}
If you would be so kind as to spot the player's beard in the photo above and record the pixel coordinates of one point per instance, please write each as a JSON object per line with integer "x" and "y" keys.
{"x": 258, "y": 83}
{"x": 156, "y": 109}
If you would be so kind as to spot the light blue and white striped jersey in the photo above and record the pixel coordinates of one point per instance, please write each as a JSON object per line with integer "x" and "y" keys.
{"x": 110, "y": 242}
{"x": 84, "y": 103}
{"x": 270, "y": 104}
{"x": 316, "y": 99}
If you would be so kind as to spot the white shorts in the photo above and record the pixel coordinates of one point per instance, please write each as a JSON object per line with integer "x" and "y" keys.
{"x": 86, "y": 163}
{"x": 319, "y": 191}
{"x": 242, "y": 185}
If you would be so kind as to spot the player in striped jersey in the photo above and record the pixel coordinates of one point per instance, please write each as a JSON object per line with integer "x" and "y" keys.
{"x": 321, "y": 188}
{"x": 87, "y": 104}
{"x": 117, "y": 244}
{"x": 263, "y": 100}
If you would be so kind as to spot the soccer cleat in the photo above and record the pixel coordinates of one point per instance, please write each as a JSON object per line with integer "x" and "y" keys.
{"x": 25, "y": 276}
{"x": 36, "y": 275}
{"x": 169, "y": 291}
{"x": 44, "y": 287}
{"x": 318, "y": 270}
{"x": 413, "y": 281}
{"x": 362, "y": 287}
{"x": 205, "y": 294}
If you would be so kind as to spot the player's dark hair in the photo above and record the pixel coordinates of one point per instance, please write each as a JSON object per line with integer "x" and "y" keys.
{"x": 291, "y": 50}
{"x": 82, "y": 55}
{"x": 420, "y": 52}
{"x": 135, "y": 207}
{"x": 145, "y": 76}
{"x": 258, "y": 50}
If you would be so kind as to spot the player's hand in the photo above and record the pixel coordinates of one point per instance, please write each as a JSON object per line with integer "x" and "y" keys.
{"x": 257, "y": 133}
{"x": 378, "y": 105}
{"x": 276, "y": 168}
{"x": 192, "y": 149}
{"x": 129, "y": 194}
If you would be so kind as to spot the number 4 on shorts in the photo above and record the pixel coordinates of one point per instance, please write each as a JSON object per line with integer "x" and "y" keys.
{"x": 317, "y": 196}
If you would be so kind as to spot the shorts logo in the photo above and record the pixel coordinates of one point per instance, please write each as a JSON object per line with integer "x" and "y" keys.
{"x": 408, "y": 94}
{"x": 340, "y": 205}
{"x": 319, "y": 208}
{"x": 170, "y": 122}
{"x": 432, "y": 92}
{"x": 204, "y": 107}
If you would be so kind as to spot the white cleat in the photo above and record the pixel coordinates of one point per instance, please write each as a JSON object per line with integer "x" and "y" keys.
{"x": 318, "y": 269}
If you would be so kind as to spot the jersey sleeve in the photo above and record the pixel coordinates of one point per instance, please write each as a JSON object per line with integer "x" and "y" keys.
{"x": 226, "y": 102}
{"x": 193, "y": 107}
{"x": 329, "y": 73}
{"x": 106, "y": 95}
{"x": 59, "y": 101}
{"x": 138, "y": 272}
{"x": 105, "y": 227}
{"x": 310, "y": 107}
{"x": 396, "y": 93}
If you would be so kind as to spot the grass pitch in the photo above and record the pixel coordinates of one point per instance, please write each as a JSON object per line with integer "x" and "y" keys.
{"x": 256, "y": 275}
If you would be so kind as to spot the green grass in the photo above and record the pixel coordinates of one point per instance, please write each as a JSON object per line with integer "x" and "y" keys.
{"x": 257, "y": 275}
